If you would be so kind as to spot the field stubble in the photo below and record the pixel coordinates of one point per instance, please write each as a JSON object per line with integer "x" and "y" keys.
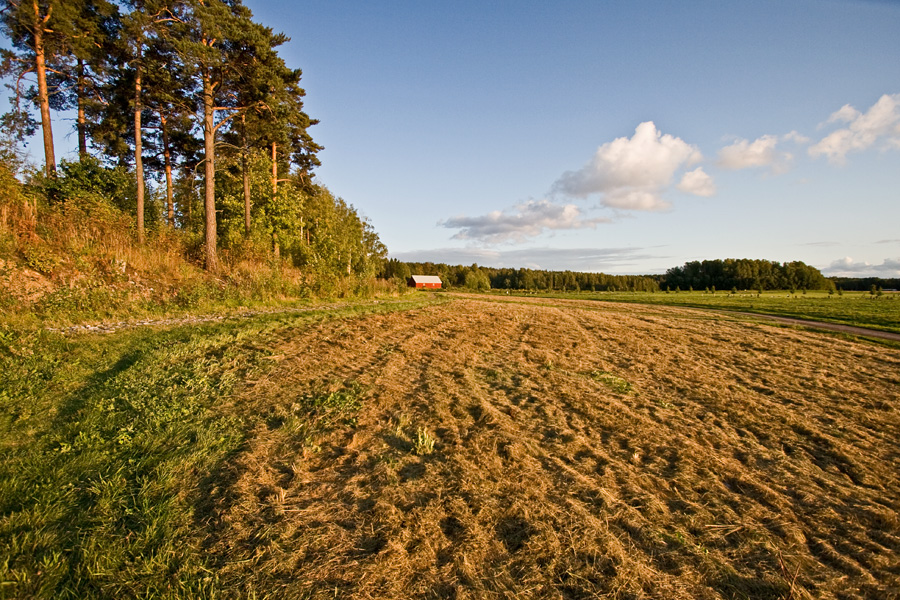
{"x": 556, "y": 449}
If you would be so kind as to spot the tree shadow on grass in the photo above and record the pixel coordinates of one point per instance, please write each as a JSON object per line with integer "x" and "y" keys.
{"x": 79, "y": 399}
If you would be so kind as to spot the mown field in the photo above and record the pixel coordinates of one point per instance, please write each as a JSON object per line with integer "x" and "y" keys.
{"x": 470, "y": 448}
{"x": 859, "y": 309}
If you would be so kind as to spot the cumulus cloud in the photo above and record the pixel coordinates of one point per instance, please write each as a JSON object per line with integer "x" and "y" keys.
{"x": 606, "y": 260}
{"x": 881, "y": 123}
{"x": 889, "y": 267}
{"x": 631, "y": 173}
{"x": 795, "y": 137}
{"x": 744, "y": 153}
{"x": 762, "y": 152}
{"x": 697, "y": 182}
{"x": 525, "y": 220}
{"x": 846, "y": 114}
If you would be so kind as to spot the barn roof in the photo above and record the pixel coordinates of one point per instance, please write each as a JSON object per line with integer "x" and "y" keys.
{"x": 426, "y": 279}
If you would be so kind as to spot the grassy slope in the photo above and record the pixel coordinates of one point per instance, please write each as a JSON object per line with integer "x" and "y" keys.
{"x": 852, "y": 308}
{"x": 106, "y": 440}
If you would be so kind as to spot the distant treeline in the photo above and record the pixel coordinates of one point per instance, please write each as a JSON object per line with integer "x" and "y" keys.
{"x": 727, "y": 274}
{"x": 482, "y": 278}
{"x": 865, "y": 284}
{"x": 746, "y": 274}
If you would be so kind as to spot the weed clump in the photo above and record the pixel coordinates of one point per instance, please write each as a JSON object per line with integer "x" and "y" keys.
{"x": 612, "y": 381}
{"x": 424, "y": 443}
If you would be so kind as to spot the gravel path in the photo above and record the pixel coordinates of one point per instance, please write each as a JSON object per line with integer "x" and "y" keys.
{"x": 853, "y": 330}
{"x": 113, "y": 326}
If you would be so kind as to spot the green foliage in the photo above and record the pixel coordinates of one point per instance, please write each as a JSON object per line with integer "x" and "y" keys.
{"x": 40, "y": 257}
{"x": 340, "y": 246}
{"x": 477, "y": 279}
{"x": 747, "y": 274}
{"x": 86, "y": 182}
{"x": 310, "y": 227}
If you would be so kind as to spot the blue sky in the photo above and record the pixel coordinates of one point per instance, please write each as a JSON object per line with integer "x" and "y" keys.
{"x": 624, "y": 137}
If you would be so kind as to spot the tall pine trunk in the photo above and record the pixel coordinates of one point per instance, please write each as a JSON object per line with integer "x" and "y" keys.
{"x": 245, "y": 174}
{"x": 138, "y": 150}
{"x": 43, "y": 92}
{"x": 189, "y": 208}
{"x": 81, "y": 123}
{"x": 274, "y": 171}
{"x": 276, "y": 247}
{"x": 209, "y": 200}
{"x": 167, "y": 159}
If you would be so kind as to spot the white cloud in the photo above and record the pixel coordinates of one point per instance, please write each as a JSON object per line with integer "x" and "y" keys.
{"x": 796, "y": 137}
{"x": 848, "y": 267}
{"x": 631, "y": 173}
{"x": 525, "y": 220}
{"x": 743, "y": 154}
{"x": 846, "y": 114}
{"x": 697, "y": 182}
{"x": 761, "y": 152}
{"x": 880, "y": 123}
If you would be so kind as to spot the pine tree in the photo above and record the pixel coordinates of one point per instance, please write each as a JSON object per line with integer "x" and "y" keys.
{"x": 38, "y": 30}
{"x": 90, "y": 41}
{"x": 213, "y": 37}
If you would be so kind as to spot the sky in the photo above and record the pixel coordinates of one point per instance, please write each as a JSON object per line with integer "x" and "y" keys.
{"x": 623, "y": 137}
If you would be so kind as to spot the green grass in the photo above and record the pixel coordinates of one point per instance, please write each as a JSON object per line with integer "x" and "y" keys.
{"x": 852, "y": 308}
{"x": 107, "y": 443}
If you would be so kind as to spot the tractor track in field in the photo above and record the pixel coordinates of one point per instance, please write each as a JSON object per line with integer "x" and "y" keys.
{"x": 838, "y": 327}
{"x": 114, "y": 326}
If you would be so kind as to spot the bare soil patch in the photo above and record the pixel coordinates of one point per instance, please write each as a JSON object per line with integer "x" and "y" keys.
{"x": 579, "y": 451}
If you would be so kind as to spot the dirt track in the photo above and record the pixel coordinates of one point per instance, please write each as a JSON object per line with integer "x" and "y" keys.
{"x": 581, "y": 451}
{"x": 852, "y": 330}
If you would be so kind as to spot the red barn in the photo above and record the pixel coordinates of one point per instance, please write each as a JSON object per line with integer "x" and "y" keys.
{"x": 425, "y": 282}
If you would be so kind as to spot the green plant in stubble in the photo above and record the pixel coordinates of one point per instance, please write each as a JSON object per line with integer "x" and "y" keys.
{"x": 424, "y": 443}
{"x": 612, "y": 381}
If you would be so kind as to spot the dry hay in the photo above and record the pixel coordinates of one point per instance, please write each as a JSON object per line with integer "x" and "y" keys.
{"x": 580, "y": 451}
